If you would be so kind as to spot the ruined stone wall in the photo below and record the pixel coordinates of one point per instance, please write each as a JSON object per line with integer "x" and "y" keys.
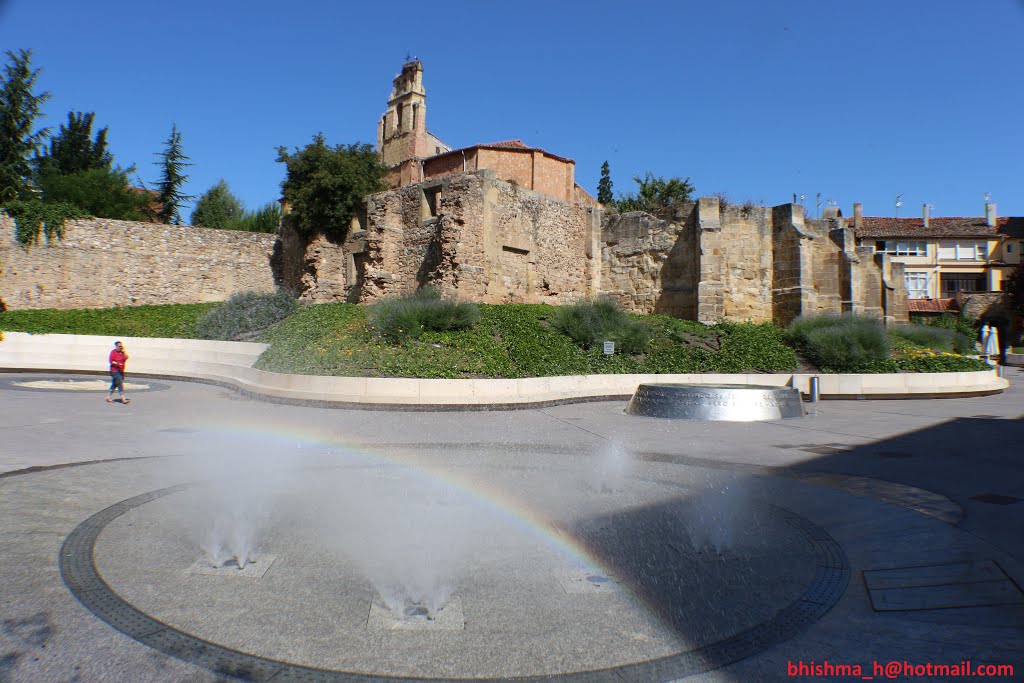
{"x": 483, "y": 239}
{"x": 649, "y": 265}
{"x": 793, "y": 265}
{"x": 746, "y": 247}
{"x": 313, "y": 270}
{"x": 103, "y": 263}
{"x": 535, "y": 246}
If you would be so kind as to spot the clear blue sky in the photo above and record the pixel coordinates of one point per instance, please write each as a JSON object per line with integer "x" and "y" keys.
{"x": 859, "y": 101}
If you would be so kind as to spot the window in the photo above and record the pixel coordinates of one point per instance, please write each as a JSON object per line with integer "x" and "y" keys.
{"x": 963, "y": 251}
{"x": 906, "y": 248}
{"x": 431, "y": 203}
{"x": 1009, "y": 247}
{"x": 917, "y": 285}
{"x": 962, "y": 282}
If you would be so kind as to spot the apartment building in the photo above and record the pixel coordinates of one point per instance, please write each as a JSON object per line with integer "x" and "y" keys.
{"x": 945, "y": 256}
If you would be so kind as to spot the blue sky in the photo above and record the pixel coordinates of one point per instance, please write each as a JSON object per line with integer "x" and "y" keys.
{"x": 858, "y": 101}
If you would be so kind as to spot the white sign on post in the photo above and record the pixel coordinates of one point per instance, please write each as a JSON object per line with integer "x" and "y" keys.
{"x": 609, "y": 348}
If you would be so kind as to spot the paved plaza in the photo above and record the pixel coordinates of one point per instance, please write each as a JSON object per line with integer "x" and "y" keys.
{"x": 573, "y": 542}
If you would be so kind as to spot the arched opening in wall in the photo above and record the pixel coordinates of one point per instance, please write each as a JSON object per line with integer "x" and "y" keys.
{"x": 398, "y": 117}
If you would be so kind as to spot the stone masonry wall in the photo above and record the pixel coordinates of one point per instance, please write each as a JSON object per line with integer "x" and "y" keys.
{"x": 484, "y": 240}
{"x": 103, "y": 263}
{"x": 649, "y": 265}
{"x": 535, "y": 247}
{"x": 746, "y": 247}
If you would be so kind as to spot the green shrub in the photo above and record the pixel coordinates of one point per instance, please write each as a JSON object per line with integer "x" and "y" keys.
{"x": 244, "y": 314}
{"x": 841, "y": 343}
{"x": 942, "y": 364}
{"x": 264, "y": 219}
{"x": 753, "y": 346}
{"x": 593, "y": 321}
{"x": 408, "y": 316}
{"x": 947, "y": 321}
{"x": 167, "y": 321}
{"x": 934, "y": 337}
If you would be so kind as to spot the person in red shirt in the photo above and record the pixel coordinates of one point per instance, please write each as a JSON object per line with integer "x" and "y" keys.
{"x": 117, "y": 360}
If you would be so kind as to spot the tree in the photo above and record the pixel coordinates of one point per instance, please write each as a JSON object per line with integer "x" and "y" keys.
{"x": 604, "y": 186}
{"x": 217, "y": 208}
{"x": 656, "y": 194}
{"x": 72, "y": 149}
{"x": 169, "y": 193}
{"x": 325, "y": 185}
{"x": 19, "y": 109}
{"x": 100, "y": 192}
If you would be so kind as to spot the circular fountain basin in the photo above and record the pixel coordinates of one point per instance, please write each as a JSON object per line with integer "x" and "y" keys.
{"x": 730, "y": 402}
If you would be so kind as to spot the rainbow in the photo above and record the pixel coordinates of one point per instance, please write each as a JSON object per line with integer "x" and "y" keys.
{"x": 490, "y": 499}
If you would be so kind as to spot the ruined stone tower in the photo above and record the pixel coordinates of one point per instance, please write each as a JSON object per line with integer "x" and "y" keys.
{"x": 402, "y": 137}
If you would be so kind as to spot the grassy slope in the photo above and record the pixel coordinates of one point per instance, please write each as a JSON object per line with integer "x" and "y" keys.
{"x": 132, "y": 321}
{"x": 510, "y": 341}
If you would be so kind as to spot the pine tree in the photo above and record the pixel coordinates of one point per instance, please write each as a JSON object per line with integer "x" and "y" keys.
{"x": 169, "y": 193}
{"x": 73, "y": 150}
{"x": 604, "y": 186}
{"x": 19, "y": 109}
{"x": 217, "y": 208}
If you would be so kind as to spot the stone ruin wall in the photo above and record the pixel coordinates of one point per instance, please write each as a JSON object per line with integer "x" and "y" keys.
{"x": 103, "y": 263}
{"x": 710, "y": 262}
{"x": 747, "y": 262}
{"x": 484, "y": 240}
{"x": 648, "y": 264}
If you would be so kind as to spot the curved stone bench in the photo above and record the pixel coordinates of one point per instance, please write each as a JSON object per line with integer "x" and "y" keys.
{"x": 230, "y": 364}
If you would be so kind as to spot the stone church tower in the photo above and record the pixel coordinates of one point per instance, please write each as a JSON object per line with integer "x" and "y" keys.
{"x": 402, "y": 137}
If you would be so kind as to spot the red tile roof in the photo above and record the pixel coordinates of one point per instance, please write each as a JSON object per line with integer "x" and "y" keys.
{"x": 970, "y": 226}
{"x": 933, "y": 305}
{"x": 516, "y": 144}
{"x": 508, "y": 145}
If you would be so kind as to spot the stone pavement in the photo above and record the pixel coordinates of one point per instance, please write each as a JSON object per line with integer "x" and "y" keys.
{"x": 913, "y": 509}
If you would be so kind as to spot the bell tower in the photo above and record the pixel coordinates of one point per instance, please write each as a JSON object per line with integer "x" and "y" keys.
{"x": 402, "y": 130}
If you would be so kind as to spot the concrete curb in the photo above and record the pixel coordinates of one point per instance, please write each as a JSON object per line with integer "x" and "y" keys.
{"x": 230, "y": 364}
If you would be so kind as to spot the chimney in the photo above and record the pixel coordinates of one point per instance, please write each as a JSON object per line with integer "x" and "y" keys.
{"x": 990, "y": 213}
{"x": 858, "y": 215}
{"x": 925, "y": 213}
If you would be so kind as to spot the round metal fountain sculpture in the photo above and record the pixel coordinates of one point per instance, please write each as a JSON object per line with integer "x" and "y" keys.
{"x": 731, "y": 402}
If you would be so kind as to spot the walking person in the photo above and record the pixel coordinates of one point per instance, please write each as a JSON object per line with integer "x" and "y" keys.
{"x": 117, "y": 360}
